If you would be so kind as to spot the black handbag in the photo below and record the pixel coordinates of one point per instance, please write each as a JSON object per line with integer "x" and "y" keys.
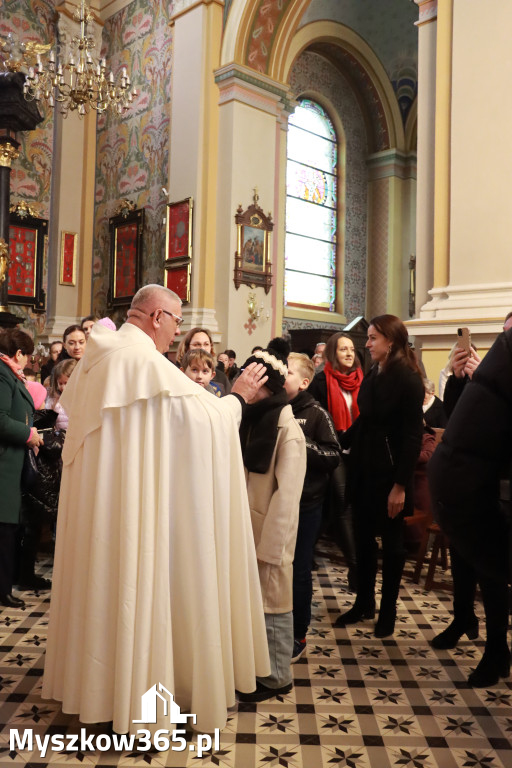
{"x": 29, "y": 471}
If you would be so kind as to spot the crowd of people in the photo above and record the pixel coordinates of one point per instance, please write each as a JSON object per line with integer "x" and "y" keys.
{"x": 285, "y": 447}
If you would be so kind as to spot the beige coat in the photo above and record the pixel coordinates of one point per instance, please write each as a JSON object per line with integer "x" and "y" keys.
{"x": 274, "y": 501}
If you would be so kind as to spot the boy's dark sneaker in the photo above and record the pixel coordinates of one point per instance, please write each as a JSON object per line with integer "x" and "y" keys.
{"x": 299, "y": 648}
{"x": 262, "y": 692}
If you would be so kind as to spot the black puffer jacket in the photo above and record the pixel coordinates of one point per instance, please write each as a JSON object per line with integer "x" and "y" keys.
{"x": 323, "y": 449}
{"x": 475, "y": 452}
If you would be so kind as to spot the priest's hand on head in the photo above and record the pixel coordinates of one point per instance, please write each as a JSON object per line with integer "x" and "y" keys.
{"x": 250, "y": 381}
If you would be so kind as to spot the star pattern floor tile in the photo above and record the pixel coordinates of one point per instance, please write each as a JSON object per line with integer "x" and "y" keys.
{"x": 357, "y": 702}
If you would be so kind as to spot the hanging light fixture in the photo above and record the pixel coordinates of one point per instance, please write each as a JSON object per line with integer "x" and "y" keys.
{"x": 81, "y": 83}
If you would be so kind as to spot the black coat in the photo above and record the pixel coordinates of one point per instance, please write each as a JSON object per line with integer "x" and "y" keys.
{"x": 16, "y": 415}
{"x": 322, "y": 447}
{"x": 318, "y": 389}
{"x": 475, "y": 452}
{"x": 385, "y": 439}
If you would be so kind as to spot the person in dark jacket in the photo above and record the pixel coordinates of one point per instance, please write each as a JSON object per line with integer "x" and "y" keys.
{"x": 16, "y": 434}
{"x": 47, "y": 368}
{"x": 323, "y": 456}
{"x": 385, "y": 443}
{"x": 464, "y": 474}
{"x": 433, "y": 408}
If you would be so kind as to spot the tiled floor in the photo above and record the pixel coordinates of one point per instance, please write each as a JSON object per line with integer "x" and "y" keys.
{"x": 358, "y": 702}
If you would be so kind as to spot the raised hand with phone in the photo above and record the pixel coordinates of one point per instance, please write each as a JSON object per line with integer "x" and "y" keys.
{"x": 465, "y": 359}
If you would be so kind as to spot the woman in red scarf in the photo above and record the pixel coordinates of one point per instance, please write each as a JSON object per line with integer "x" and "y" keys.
{"x": 336, "y": 388}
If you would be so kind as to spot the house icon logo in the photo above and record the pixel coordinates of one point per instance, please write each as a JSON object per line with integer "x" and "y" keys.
{"x": 149, "y": 703}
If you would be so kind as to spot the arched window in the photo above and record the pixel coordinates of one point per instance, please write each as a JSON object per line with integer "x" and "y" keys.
{"x": 311, "y": 185}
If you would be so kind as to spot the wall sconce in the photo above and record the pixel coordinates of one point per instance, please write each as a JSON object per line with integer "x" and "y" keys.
{"x": 412, "y": 286}
{"x": 255, "y": 311}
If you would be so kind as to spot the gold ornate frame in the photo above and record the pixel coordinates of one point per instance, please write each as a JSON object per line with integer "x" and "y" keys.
{"x": 252, "y": 257}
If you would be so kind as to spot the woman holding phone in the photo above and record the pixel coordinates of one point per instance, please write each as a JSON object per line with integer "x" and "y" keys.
{"x": 385, "y": 443}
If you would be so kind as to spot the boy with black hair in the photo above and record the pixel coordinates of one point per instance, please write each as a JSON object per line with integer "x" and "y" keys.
{"x": 323, "y": 456}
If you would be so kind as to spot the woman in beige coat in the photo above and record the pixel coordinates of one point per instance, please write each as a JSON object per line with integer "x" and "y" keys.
{"x": 274, "y": 452}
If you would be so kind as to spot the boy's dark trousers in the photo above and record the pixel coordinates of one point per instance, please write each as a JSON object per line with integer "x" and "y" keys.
{"x": 310, "y": 520}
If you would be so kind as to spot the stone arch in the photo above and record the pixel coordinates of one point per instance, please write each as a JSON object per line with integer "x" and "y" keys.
{"x": 359, "y": 62}
{"x": 264, "y": 36}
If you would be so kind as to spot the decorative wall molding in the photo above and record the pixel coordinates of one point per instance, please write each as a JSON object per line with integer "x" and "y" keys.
{"x": 392, "y": 162}
{"x": 238, "y": 83}
{"x": 427, "y": 10}
{"x": 459, "y": 302}
{"x": 183, "y": 6}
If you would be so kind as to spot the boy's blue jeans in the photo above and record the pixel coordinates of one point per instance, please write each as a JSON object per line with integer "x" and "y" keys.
{"x": 280, "y": 646}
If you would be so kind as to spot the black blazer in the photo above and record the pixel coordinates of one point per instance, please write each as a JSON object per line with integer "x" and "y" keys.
{"x": 385, "y": 439}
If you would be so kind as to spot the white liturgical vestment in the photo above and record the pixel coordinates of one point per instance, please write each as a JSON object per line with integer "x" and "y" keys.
{"x": 155, "y": 576}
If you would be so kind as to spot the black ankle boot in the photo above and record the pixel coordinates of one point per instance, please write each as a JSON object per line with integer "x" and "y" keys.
{"x": 492, "y": 666}
{"x": 352, "y": 579}
{"x": 452, "y": 634}
{"x": 355, "y": 614}
{"x": 385, "y": 625}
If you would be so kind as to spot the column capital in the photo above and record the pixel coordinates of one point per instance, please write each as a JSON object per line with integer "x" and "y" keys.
{"x": 392, "y": 162}
{"x": 239, "y": 83}
{"x": 427, "y": 11}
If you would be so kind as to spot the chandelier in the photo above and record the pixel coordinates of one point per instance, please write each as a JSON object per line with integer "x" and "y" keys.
{"x": 81, "y": 83}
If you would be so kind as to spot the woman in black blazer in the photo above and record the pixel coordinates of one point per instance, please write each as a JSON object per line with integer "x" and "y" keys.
{"x": 385, "y": 443}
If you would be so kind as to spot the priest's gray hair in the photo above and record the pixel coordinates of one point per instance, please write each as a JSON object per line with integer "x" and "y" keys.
{"x": 149, "y": 293}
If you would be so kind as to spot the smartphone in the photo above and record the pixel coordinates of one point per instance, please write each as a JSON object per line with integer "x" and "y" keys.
{"x": 464, "y": 339}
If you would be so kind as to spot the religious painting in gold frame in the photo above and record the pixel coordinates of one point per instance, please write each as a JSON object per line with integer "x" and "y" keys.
{"x": 126, "y": 228}
{"x": 26, "y": 255}
{"x": 177, "y": 279}
{"x": 68, "y": 253}
{"x": 178, "y": 232}
{"x": 252, "y": 257}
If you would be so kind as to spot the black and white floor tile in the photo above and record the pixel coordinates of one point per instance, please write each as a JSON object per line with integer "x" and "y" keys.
{"x": 357, "y": 702}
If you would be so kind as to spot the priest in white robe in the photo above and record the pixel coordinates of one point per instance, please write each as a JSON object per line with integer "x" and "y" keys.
{"x": 155, "y": 575}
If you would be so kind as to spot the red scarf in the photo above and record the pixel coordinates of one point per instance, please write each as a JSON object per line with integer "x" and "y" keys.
{"x": 337, "y": 405}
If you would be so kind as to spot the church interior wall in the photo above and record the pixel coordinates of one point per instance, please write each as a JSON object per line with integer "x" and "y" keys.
{"x": 133, "y": 150}
{"x": 31, "y": 173}
{"x": 248, "y": 147}
{"x": 481, "y": 162}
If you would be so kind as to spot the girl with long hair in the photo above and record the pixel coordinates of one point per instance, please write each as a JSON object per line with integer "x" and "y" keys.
{"x": 336, "y": 388}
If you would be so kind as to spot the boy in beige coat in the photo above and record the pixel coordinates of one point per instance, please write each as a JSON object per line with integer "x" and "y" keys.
{"x": 274, "y": 453}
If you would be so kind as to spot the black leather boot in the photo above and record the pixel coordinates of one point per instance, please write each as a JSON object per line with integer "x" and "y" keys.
{"x": 357, "y": 613}
{"x": 494, "y": 664}
{"x": 450, "y": 636}
{"x": 392, "y": 568}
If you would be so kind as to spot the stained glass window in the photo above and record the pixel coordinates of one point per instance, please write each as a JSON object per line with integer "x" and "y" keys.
{"x": 311, "y": 189}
